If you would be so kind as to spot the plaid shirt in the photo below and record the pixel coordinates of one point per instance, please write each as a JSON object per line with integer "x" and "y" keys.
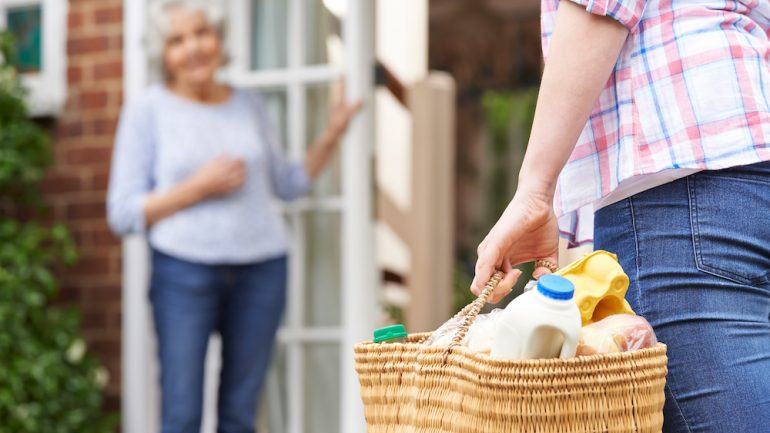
{"x": 690, "y": 90}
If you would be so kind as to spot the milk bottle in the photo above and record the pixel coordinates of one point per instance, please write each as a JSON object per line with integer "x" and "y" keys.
{"x": 541, "y": 323}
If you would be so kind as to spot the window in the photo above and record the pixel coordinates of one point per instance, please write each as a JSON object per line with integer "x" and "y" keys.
{"x": 39, "y": 27}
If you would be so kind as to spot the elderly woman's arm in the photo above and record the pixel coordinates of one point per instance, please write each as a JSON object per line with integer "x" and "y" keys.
{"x": 132, "y": 204}
{"x": 582, "y": 54}
{"x": 131, "y": 172}
{"x": 219, "y": 176}
{"x": 290, "y": 179}
{"x": 324, "y": 146}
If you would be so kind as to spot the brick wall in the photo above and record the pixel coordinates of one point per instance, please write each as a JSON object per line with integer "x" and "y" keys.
{"x": 77, "y": 184}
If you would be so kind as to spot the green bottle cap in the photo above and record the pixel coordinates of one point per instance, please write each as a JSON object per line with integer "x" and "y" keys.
{"x": 389, "y": 333}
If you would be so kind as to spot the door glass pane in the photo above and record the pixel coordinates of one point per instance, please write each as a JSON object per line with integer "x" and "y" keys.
{"x": 322, "y": 38}
{"x": 269, "y": 20}
{"x": 328, "y": 182}
{"x": 273, "y": 410}
{"x": 323, "y": 260}
{"x": 322, "y": 388}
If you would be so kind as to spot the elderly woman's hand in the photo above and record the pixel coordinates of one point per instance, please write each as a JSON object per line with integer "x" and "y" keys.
{"x": 526, "y": 231}
{"x": 220, "y": 176}
{"x": 341, "y": 112}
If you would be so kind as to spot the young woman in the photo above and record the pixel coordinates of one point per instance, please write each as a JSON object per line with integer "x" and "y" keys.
{"x": 652, "y": 130}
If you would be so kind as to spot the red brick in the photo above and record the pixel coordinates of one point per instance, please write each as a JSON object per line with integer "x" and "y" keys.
{"x": 86, "y": 210}
{"x": 88, "y": 155}
{"x": 100, "y": 180}
{"x": 108, "y": 15}
{"x": 61, "y": 183}
{"x": 112, "y": 70}
{"x": 87, "y": 45}
{"x": 74, "y": 75}
{"x": 105, "y": 295}
{"x": 106, "y": 347}
{"x": 103, "y": 237}
{"x": 91, "y": 99}
{"x": 68, "y": 129}
{"x": 105, "y": 125}
{"x": 91, "y": 266}
{"x": 68, "y": 295}
{"x": 95, "y": 319}
{"x": 75, "y": 20}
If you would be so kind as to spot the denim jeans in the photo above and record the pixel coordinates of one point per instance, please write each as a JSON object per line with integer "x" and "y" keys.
{"x": 244, "y": 304}
{"x": 697, "y": 251}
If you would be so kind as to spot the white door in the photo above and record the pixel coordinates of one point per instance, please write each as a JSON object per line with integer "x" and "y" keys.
{"x": 291, "y": 51}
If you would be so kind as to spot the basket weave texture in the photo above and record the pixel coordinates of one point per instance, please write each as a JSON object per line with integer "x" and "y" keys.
{"x": 410, "y": 387}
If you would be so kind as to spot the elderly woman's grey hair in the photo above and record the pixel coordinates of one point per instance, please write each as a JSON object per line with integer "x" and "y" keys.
{"x": 157, "y": 29}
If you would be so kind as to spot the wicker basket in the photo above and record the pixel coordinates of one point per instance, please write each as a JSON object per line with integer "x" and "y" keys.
{"x": 414, "y": 388}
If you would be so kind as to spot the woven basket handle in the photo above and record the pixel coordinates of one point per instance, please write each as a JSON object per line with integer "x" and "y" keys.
{"x": 472, "y": 310}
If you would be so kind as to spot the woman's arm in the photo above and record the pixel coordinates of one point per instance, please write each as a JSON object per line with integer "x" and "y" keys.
{"x": 324, "y": 146}
{"x": 582, "y": 54}
{"x": 132, "y": 205}
{"x": 219, "y": 176}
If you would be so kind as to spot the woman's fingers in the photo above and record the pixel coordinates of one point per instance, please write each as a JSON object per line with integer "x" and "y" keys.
{"x": 541, "y": 270}
{"x": 505, "y": 286}
{"x": 485, "y": 267}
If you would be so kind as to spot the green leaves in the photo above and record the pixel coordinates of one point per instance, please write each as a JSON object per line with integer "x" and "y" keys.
{"x": 49, "y": 383}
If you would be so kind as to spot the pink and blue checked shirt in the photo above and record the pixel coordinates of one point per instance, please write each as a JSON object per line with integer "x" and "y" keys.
{"x": 690, "y": 91}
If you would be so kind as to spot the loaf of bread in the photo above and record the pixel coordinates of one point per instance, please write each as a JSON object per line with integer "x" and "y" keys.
{"x": 616, "y": 333}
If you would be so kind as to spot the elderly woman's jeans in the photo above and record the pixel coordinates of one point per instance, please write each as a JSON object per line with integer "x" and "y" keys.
{"x": 190, "y": 301}
{"x": 697, "y": 251}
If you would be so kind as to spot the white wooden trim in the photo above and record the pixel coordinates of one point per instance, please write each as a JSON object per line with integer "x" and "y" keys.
{"x": 268, "y": 78}
{"x": 325, "y": 204}
{"x": 239, "y": 16}
{"x": 359, "y": 281}
{"x": 296, "y": 135}
{"x": 140, "y": 396}
{"x": 310, "y": 335}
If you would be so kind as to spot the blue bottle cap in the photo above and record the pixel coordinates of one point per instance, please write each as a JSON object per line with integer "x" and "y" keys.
{"x": 555, "y": 287}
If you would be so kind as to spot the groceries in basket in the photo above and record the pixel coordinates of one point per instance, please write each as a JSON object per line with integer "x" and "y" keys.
{"x": 414, "y": 386}
{"x": 390, "y": 334}
{"x": 542, "y": 323}
{"x": 479, "y": 337}
{"x": 545, "y": 321}
{"x": 618, "y": 333}
{"x": 600, "y": 286}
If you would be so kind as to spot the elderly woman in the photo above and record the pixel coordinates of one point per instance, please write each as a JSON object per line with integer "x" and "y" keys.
{"x": 195, "y": 166}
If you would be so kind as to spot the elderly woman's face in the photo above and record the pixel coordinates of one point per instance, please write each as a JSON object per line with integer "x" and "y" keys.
{"x": 193, "y": 51}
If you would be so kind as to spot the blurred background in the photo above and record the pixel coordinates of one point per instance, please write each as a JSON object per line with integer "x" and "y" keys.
{"x": 387, "y": 235}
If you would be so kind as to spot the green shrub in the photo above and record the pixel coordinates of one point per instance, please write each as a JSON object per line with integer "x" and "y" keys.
{"x": 48, "y": 381}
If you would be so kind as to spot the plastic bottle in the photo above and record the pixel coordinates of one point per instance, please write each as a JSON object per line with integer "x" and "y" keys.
{"x": 390, "y": 334}
{"x": 541, "y": 323}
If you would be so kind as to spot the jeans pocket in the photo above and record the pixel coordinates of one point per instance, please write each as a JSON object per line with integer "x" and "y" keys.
{"x": 731, "y": 236}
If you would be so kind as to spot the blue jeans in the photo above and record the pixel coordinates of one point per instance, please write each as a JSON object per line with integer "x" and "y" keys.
{"x": 697, "y": 251}
{"x": 244, "y": 304}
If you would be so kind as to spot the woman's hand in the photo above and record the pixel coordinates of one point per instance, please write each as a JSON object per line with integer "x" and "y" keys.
{"x": 340, "y": 111}
{"x": 526, "y": 231}
{"x": 220, "y": 176}
{"x": 340, "y": 114}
